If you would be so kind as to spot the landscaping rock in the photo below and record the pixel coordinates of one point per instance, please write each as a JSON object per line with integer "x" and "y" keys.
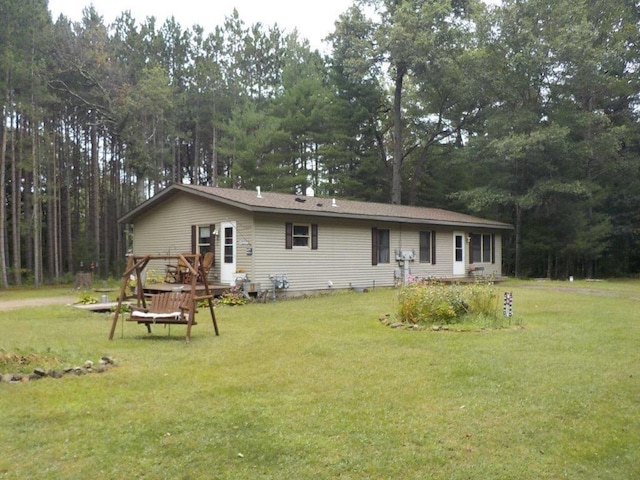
{"x": 104, "y": 364}
{"x": 109, "y": 360}
{"x": 437, "y": 328}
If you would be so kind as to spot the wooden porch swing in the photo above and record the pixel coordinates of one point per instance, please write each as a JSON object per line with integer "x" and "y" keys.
{"x": 168, "y": 308}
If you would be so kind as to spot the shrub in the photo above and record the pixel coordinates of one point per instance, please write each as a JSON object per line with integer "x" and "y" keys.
{"x": 154, "y": 276}
{"x": 87, "y": 299}
{"x": 233, "y": 296}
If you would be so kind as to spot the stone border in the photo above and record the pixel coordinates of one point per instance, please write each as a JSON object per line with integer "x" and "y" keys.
{"x": 104, "y": 364}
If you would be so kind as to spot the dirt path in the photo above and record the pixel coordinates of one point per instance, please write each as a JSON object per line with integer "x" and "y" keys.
{"x": 36, "y": 302}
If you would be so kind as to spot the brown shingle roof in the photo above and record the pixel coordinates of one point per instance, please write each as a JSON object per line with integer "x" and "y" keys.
{"x": 318, "y": 206}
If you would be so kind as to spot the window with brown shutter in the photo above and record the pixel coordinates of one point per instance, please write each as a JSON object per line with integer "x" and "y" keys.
{"x": 288, "y": 236}
{"x": 314, "y": 236}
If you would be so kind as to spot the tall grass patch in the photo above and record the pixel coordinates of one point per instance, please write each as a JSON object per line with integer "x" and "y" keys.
{"x": 433, "y": 303}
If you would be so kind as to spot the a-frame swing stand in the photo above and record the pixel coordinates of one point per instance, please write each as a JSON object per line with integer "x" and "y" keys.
{"x": 187, "y": 301}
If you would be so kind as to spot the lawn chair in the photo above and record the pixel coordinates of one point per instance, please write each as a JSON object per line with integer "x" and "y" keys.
{"x": 177, "y": 273}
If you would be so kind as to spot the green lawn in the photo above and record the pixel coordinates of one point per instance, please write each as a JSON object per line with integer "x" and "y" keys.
{"x": 318, "y": 388}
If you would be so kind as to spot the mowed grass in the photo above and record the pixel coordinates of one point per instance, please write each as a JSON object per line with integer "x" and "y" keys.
{"x": 318, "y": 388}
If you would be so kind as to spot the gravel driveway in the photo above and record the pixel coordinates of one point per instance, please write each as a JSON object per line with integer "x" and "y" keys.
{"x": 36, "y": 302}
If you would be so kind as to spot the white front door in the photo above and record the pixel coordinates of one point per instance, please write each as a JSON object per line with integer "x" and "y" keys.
{"x": 458, "y": 253}
{"x": 227, "y": 252}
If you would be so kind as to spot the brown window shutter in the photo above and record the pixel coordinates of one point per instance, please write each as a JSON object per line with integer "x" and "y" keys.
{"x": 314, "y": 236}
{"x": 212, "y": 243}
{"x": 288, "y": 234}
{"x": 433, "y": 247}
{"x": 493, "y": 248}
{"x": 194, "y": 238}
{"x": 374, "y": 246}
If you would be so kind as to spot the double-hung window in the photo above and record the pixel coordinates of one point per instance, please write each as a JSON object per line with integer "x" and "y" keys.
{"x": 482, "y": 248}
{"x": 380, "y": 246}
{"x": 202, "y": 238}
{"x": 301, "y": 235}
{"x": 428, "y": 247}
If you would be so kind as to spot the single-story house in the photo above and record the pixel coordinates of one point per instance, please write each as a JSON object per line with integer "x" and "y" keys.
{"x": 308, "y": 243}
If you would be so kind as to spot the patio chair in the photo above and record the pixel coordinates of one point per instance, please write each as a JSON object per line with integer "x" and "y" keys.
{"x": 176, "y": 273}
{"x": 207, "y": 263}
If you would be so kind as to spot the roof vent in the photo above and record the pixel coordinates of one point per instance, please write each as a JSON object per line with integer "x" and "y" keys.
{"x": 333, "y": 203}
{"x": 259, "y": 192}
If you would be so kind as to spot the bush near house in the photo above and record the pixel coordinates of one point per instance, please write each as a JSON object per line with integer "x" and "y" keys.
{"x": 232, "y": 297}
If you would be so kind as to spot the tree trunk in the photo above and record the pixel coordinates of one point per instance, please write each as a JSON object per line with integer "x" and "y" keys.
{"x": 50, "y": 217}
{"x": 4, "y": 280}
{"x": 94, "y": 209}
{"x": 214, "y": 158}
{"x": 68, "y": 200}
{"x": 37, "y": 208}
{"x": 16, "y": 201}
{"x": 396, "y": 180}
{"x": 196, "y": 154}
{"x": 518, "y": 240}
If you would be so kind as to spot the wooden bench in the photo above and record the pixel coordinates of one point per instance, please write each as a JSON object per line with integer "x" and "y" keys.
{"x": 475, "y": 270}
{"x": 169, "y": 308}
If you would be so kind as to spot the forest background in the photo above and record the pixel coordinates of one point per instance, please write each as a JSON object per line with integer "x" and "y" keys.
{"x": 525, "y": 112}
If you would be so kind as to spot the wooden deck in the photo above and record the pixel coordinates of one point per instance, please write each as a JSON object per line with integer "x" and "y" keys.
{"x": 99, "y": 307}
{"x": 216, "y": 290}
{"x": 472, "y": 279}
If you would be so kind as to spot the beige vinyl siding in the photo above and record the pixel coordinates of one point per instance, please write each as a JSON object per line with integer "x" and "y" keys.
{"x": 343, "y": 255}
{"x": 167, "y": 228}
{"x": 444, "y": 252}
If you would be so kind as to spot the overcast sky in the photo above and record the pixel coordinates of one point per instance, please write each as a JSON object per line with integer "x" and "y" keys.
{"x": 313, "y": 19}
